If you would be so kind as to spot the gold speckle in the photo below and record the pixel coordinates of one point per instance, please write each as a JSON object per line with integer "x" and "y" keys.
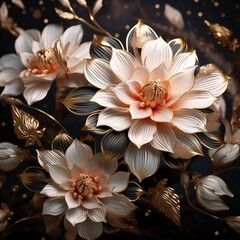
{"x": 189, "y": 12}
{"x": 216, "y": 233}
{"x": 125, "y": 6}
{"x": 223, "y": 15}
{"x": 37, "y": 13}
{"x": 200, "y": 14}
{"x": 3, "y": 124}
{"x": 127, "y": 26}
{"x": 216, "y": 4}
{"x": 116, "y": 35}
{"x": 196, "y": 1}
{"x": 108, "y": 17}
{"x": 237, "y": 6}
{"x": 40, "y": 2}
{"x": 158, "y": 14}
{"x": 157, "y": 6}
{"x": 45, "y": 20}
{"x": 146, "y": 214}
{"x": 24, "y": 195}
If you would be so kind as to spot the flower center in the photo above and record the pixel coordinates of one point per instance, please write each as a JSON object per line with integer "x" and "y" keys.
{"x": 85, "y": 186}
{"x": 44, "y": 62}
{"x": 153, "y": 93}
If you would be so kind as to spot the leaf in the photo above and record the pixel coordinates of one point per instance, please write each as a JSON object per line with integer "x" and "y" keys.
{"x": 61, "y": 142}
{"x": 59, "y": 55}
{"x": 19, "y": 3}
{"x": 34, "y": 178}
{"x": 165, "y": 200}
{"x": 65, "y": 15}
{"x": 26, "y": 126}
{"x": 174, "y": 16}
{"x": 89, "y": 140}
{"x": 223, "y": 35}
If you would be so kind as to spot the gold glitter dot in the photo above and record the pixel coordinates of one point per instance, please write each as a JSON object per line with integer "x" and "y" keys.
{"x": 125, "y": 6}
{"x": 237, "y": 6}
{"x": 108, "y": 17}
{"x": 116, "y": 35}
{"x": 157, "y": 6}
{"x": 37, "y": 13}
{"x": 200, "y": 14}
{"x": 189, "y": 12}
{"x": 146, "y": 214}
{"x": 40, "y": 2}
{"x": 216, "y": 4}
{"x": 3, "y": 124}
{"x": 216, "y": 233}
{"x": 24, "y": 195}
{"x": 45, "y": 20}
{"x": 127, "y": 26}
{"x": 223, "y": 15}
{"x": 158, "y": 14}
{"x": 196, "y": 1}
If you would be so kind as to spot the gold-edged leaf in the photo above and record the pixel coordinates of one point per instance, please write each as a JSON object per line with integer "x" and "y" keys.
{"x": 223, "y": 35}
{"x": 176, "y": 163}
{"x": 133, "y": 191}
{"x": 89, "y": 140}
{"x": 34, "y": 178}
{"x": 26, "y": 127}
{"x": 61, "y": 142}
{"x": 78, "y": 101}
{"x": 165, "y": 200}
{"x": 65, "y": 15}
{"x": 59, "y": 55}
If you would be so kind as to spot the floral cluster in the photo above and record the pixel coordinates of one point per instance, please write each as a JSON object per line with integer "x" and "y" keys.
{"x": 150, "y": 102}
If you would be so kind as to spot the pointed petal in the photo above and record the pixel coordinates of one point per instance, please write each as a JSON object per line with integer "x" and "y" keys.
{"x": 97, "y": 215}
{"x": 138, "y": 112}
{"x": 71, "y": 201}
{"x": 99, "y": 73}
{"x": 50, "y": 34}
{"x": 156, "y": 52}
{"x": 113, "y": 117}
{"x": 78, "y": 153}
{"x": 36, "y": 91}
{"x": 118, "y": 181}
{"x": 194, "y": 99}
{"x": 142, "y": 131}
{"x": 211, "y": 79}
{"x": 123, "y": 64}
{"x": 53, "y": 190}
{"x": 160, "y": 72}
{"x": 107, "y": 98}
{"x": 76, "y": 215}
{"x": 164, "y": 139}
{"x": 143, "y": 162}
{"x": 162, "y": 115}
{"x": 189, "y": 120}
{"x": 59, "y": 174}
{"x": 89, "y": 229}
{"x": 54, "y": 206}
{"x": 141, "y": 75}
{"x": 90, "y": 203}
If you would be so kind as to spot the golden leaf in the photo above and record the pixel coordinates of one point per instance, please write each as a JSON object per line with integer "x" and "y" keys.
{"x": 165, "y": 200}
{"x": 65, "y": 15}
{"x": 223, "y": 35}
{"x": 61, "y": 142}
{"x": 26, "y": 127}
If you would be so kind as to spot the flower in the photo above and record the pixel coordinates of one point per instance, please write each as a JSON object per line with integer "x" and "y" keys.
{"x": 157, "y": 96}
{"x": 208, "y": 191}
{"x": 84, "y": 189}
{"x": 52, "y": 54}
{"x": 10, "y": 68}
{"x": 229, "y": 150}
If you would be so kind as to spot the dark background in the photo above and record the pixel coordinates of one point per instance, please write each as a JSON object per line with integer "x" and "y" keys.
{"x": 118, "y": 16}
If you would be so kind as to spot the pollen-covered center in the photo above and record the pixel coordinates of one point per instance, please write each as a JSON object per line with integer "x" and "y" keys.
{"x": 44, "y": 62}
{"x": 85, "y": 186}
{"x": 153, "y": 93}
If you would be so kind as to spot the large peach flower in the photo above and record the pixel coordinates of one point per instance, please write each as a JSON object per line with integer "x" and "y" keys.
{"x": 52, "y": 54}
{"x": 156, "y": 95}
{"x": 84, "y": 189}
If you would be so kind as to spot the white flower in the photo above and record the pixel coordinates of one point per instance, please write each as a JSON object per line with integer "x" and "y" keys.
{"x": 84, "y": 189}
{"x": 52, "y": 54}
{"x": 10, "y": 69}
{"x": 208, "y": 191}
{"x": 156, "y": 97}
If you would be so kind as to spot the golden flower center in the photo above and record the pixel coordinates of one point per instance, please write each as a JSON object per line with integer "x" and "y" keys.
{"x": 153, "y": 93}
{"x": 44, "y": 62}
{"x": 85, "y": 186}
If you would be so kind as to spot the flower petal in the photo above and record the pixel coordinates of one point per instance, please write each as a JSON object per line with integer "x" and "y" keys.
{"x": 78, "y": 153}
{"x": 156, "y": 52}
{"x": 189, "y": 120}
{"x": 123, "y": 64}
{"x": 76, "y": 215}
{"x": 164, "y": 139}
{"x": 90, "y": 203}
{"x": 53, "y": 190}
{"x": 89, "y": 229}
{"x": 118, "y": 119}
{"x": 142, "y": 131}
{"x": 138, "y": 112}
{"x": 162, "y": 114}
{"x": 50, "y": 34}
{"x": 118, "y": 181}
{"x": 160, "y": 72}
{"x": 143, "y": 162}
{"x": 71, "y": 201}
{"x": 60, "y": 174}
{"x": 54, "y": 206}
{"x": 141, "y": 75}
{"x": 97, "y": 215}
{"x": 99, "y": 73}
{"x": 211, "y": 79}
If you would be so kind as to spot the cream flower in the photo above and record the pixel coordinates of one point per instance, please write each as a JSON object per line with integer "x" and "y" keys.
{"x": 209, "y": 190}
{"x": 156, "y": 96}
{"x": 10, "y": 68}
{"x": 84, "y": 189}
{"x": 52, "y": 54}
